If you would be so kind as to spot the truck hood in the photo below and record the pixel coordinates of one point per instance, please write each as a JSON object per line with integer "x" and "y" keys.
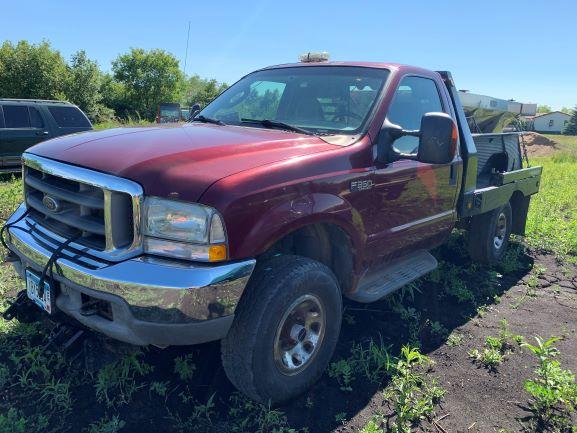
{"x": 183, "y": 160}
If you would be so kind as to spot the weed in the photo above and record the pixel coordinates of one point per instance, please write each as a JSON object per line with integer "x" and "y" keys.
{"x": 413, "y": 318}
{"x": 532, "y": 283}
{"x": 495, "y": 349}
{"x": 159, "y": 388}
{"x": 539, "y": 270}
{"x": 342, "y": 371}
{"x": 116, "y": 383}
{"x": 407, "y": 292}
{"x": 56, "y": 394}
{"x": 450, "y": 277}
{"x": 482, "y": 311}
{"x": 510, "y": 262}
{"x": 34, "y": 365}
{"x": 184, "y": 367}
{"x": 249, "y": 416}
{"x": 439, "y": 331}
{"x": 487, "y": 356}
{"x": 455, "y": 339}
{"x": 373, "y": 426}
{"x": 106, "y": 425}
{"x": 371, "y": 360}
{"x": 341, "y": 417}
{"x": 200, "y": 420}
{"x": 412, "y": 397}
{"x": 14, "y": 421}
{"x": 554, "y": 390}
{"x": 530, "y": 292}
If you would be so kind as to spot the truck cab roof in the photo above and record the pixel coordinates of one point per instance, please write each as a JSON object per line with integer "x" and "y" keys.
{"x": 378, "y": 65}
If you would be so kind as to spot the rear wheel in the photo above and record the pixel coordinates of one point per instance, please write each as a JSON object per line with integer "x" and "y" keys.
{"x": 285, "y": 330}
{"x": 489, "y": 235}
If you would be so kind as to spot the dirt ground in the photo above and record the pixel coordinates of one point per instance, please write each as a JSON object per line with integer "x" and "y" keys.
{"x": 539, "y": 145}
{"x": 476, "y": 399}
{"x": 534, "y": 292}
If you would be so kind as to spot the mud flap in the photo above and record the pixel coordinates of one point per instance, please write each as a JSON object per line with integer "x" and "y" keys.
{"x": 520, "y": 205}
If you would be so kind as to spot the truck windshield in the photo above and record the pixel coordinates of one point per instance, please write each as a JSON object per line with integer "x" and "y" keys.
{"x": 319, "y": 99}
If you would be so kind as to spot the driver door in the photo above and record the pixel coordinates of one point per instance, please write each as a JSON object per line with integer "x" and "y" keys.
{"x": 414, "y": 201}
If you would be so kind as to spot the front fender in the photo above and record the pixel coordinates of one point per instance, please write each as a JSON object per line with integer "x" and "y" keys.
{"x": 290, "y": 215}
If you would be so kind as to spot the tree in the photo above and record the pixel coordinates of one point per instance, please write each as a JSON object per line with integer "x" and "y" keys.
{"x": 112, "y": 93}
{"x": 201, "y": 90}
{"x": 543, "y": 109}
{"x": 147, "y": 78}
{"x": 571, "y": 128}
{"x": 566, "y": 110}
{"x": 32, "y": 71}
{"x": 83, "y": 88}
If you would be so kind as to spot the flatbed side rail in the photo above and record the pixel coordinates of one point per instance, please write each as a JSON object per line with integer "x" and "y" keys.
{"x": 513, "y": 176}
{"x": 527, "y": 181}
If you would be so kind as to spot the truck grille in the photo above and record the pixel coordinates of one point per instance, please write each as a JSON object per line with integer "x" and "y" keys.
{"x": 103, "y": 211}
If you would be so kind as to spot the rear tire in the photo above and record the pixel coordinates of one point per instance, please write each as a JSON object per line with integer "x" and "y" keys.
{"x": 489, "y": 235}
{"x": 285, "y": 329}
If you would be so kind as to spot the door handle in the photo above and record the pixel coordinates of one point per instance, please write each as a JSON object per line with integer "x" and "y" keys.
{"x": 453, "y": 175}
{"x": 42, "y": 133}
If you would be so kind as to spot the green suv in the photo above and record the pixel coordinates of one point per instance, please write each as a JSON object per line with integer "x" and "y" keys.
{"x": 25, "y": 122}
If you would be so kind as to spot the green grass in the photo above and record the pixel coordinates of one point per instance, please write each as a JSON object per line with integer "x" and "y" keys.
{"x": 124, "y": 124}
{"x": 567, "y": 143}
{"x": 552, "y": 221}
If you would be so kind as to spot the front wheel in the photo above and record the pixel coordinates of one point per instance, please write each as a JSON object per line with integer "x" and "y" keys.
{"x": 285, "y": 329}
{"x": 489, "y": 235}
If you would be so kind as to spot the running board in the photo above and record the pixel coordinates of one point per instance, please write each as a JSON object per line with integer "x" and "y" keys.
{"x": 382, "y": 282}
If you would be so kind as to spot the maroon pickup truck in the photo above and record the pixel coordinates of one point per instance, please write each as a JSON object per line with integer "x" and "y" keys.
{"x": 300, "y": 184}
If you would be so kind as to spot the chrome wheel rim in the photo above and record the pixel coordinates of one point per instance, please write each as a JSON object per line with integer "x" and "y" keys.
{"x": 299, "y": 335}
{"x": 500, "y": 231}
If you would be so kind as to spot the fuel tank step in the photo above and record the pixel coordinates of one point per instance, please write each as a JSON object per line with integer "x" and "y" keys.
{"x": 383, "y": 281}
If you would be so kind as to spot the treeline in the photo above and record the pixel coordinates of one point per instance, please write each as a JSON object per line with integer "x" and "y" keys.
{"x": 138, "y": 81}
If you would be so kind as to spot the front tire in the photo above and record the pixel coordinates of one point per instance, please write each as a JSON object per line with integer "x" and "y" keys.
{"x": 285, "y": 329}
{"x": 489, "y": 235}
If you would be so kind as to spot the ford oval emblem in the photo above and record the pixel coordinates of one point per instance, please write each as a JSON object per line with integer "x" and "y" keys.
{"x": 51, "y": 203}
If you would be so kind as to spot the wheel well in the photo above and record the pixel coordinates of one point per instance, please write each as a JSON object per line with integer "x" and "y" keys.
{"x": 324, "y": 242}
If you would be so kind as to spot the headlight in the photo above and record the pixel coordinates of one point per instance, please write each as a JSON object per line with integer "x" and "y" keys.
{"x": 184, "y": 230}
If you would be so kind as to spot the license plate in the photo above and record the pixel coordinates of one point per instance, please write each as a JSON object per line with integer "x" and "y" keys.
{"x": 43, "y": 300}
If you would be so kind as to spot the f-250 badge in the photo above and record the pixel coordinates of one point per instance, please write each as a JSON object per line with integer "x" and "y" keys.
{"x": 361, "y": 185}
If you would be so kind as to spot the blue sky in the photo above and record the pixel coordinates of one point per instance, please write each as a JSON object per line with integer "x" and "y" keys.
{"x": 525, "y": 50}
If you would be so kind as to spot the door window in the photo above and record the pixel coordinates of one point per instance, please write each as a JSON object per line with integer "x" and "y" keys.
{"x": 16, "y": 116}
{"x": 69, "y": 117}
{"x": 35, "y": 118}
{"x": 414, "y": 97}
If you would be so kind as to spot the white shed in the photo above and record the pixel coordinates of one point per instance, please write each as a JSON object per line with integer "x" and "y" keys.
{"x": 555, "y": 121}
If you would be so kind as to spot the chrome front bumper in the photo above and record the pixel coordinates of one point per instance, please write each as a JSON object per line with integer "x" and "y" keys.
{"x": 153, "y": 301}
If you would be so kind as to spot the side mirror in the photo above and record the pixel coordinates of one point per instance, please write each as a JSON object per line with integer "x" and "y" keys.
{"x": 194, "y": 110}
{"x": 437, "y": 138}
{"x": 389, "y": 133}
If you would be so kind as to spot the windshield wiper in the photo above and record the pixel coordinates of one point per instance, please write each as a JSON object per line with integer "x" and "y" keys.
{"x": 205, "y": 119}
{"x": 267, "y": 123}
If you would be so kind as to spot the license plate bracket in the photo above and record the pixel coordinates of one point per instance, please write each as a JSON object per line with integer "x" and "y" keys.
{"x": 44, "y": 300}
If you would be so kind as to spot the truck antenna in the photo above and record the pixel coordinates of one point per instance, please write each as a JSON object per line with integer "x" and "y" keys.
{"x": 186, "y": 53}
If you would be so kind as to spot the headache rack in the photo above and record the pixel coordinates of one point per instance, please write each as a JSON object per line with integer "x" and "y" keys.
{"x": 102, "y": 212}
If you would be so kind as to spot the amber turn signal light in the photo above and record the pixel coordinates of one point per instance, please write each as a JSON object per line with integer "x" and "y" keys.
{"x": 217, "y": 253}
